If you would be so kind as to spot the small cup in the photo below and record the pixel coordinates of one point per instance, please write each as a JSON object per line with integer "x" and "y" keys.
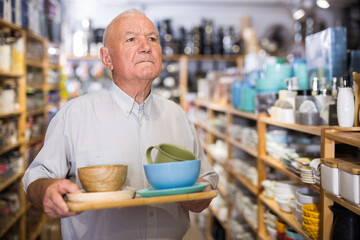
{"x": 169, "y": 153}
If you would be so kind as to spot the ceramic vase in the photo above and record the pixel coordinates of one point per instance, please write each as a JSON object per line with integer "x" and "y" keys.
{"x": 345, "y": 107}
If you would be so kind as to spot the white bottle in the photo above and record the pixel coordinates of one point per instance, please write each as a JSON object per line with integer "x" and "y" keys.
{"x": 345, "y": 105}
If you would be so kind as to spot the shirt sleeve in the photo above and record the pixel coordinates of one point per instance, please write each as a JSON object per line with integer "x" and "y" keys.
{"x": 206, "y": 170}
{"x": 51, "y": 161}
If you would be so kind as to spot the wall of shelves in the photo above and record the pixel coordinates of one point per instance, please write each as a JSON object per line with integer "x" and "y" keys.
{"x": 329, "y": 136}
{"x": 22, "y": 114}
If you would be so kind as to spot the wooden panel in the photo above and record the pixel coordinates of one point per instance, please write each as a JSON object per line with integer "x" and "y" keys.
{"x": 183, "y": 81}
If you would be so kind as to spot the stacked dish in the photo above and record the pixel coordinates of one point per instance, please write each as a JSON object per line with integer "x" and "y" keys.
{"x": 307, "y": 175}
{"x": 311, "y": 219}
{"x": 316, "y": 169}
{"x": 304, "y": 196}
{"x": 285, "y": 194}
{"x": 270, "y": 220}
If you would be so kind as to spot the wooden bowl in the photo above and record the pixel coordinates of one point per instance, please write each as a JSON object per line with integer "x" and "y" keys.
{"x": 103, "y": 178}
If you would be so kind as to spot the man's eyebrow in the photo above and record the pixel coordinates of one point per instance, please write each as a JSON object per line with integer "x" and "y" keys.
{"x": 152, "y": 33}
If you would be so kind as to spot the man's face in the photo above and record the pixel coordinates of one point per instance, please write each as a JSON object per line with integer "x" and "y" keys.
{"x": 135, "y": 49}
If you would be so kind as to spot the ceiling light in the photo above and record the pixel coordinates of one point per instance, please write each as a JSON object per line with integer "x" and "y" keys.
{"x": 298, "y": 14}
{"x": 323, "y": 4}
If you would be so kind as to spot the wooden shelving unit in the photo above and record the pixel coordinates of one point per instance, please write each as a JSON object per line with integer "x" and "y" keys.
{"x": 21, "y": 114}
{"x": 212, "y": 135}
{"x": 329, "y": 138}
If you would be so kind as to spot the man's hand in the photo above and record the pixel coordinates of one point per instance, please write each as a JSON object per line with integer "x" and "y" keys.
{"x": 47, "y": 194}
{"x": 197, "y": 205}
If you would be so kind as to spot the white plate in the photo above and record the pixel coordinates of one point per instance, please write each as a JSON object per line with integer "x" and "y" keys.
{"x": 101, "y": 196}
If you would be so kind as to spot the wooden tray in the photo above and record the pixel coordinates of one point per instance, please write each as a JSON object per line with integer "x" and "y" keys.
{"x": 139, "y": 201}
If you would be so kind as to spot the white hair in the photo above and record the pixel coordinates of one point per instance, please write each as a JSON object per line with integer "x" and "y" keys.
{"x": 131, "y": 11}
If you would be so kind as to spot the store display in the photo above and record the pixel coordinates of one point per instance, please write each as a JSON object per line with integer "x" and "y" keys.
{"x": 25, "y": 72}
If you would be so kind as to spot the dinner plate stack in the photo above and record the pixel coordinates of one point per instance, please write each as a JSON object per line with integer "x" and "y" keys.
{"x": 316, "y": 167}
{"x": 306, "y": 172}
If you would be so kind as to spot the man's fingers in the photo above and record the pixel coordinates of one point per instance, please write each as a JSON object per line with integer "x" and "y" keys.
{"x": 67, "y": 186}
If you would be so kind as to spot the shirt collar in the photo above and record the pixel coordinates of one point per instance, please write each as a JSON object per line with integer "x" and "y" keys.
{"x": 127, "y": 103}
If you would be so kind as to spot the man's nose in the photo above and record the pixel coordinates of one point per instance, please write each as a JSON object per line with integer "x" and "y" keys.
{"x": 145, "y": 45}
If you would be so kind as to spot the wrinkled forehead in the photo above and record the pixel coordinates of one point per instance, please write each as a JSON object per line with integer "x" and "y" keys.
{"x": 135, "y": 23}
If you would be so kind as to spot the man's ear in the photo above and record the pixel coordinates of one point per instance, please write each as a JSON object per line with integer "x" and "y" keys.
{"x": 106, "y": 58}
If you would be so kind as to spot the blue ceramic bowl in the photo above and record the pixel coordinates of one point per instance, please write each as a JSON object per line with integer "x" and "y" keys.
{"x": 172, "y": 174}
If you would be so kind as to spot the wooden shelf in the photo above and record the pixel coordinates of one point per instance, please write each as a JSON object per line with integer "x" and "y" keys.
{"x": 217, "y": 133}
{"x": 4, "y": 23}
{"x": 242, "y": 179}
{"x": 10, "y": 147}
{"x": 346, "y": 137}
{"x": 35, "y": 140}
{"x": 32, "y": 36}
{"x": 52, "y": 87}
{"x": 34, "y": 63}
{"x": 243, "y": 114}
{"x": 54, "y": 66}
{"x": 229, "y": 199}
{"x": 352, "y": 207}
{"x": 286, "y": 217}
{"x": 12, "y": 221}
{"x": 210, "y": 129}
{"x": 35, "y": 234}
{"x": 13, "y": 114}
{"x": 35, "y": 112}
{"x": 245, "y": 148}
{"x": 276, "y": 164}
{"x": 226, "y": 109}
{"x": 314, "y": 130}
{"x": 10, "y": 75}
{"x": 7, "y": 182}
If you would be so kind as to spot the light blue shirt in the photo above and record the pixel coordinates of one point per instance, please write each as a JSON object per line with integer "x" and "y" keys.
{"x": 109, "y": 127}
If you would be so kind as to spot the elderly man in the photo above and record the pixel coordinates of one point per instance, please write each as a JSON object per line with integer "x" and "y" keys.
{"x": 116, "y": 126}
